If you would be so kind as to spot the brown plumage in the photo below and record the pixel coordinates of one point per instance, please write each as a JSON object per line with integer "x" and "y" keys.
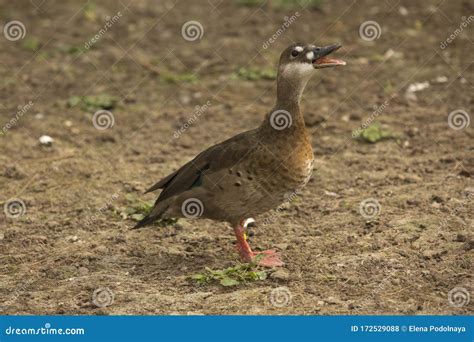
{"x": 254, "y": 171}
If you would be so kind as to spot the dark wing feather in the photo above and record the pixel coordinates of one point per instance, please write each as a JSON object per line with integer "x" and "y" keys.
{"x": 162, "y": 183}
{"x": 215, "y": 158}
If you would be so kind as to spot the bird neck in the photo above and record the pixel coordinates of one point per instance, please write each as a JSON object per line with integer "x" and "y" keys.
{"x": 287, "y": 107}
{"x": 289, "y": 91}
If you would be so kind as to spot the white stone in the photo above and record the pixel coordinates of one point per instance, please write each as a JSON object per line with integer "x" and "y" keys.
{"x": 46, "y": 140}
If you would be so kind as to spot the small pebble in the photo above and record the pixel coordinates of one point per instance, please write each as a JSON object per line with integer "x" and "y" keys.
{"x": 418, "y": 86}
{"x": 72, "y": 238}
{"x": 468, "y": 245}
{"x": 101, "y": 249}
{"x": 403, "y": 11}
{"x": 333, "y": 300}
{"x": 46, "y": 140}
{"x": 280, "y": 274}
{"x": 281, "y": 246}
{"x": 83, "y": 270}
{"x": 39, "y": 238}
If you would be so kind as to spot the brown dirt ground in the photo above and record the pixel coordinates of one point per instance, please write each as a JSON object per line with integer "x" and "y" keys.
{"x": 405, "y": 261}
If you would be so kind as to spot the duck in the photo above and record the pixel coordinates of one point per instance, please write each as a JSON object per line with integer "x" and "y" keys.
{"x": 255, "y": 171}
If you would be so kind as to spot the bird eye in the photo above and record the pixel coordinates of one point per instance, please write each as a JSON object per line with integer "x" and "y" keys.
{"x": 295, "y": 53}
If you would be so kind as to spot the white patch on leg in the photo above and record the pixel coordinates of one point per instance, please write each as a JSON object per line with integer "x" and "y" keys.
{"x": 248, "y": 221}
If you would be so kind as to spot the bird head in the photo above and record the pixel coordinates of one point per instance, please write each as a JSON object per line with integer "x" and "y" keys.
{"x": 299, "y": 61}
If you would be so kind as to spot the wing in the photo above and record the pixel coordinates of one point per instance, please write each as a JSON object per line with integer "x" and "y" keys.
{"x": 215, "y": 158}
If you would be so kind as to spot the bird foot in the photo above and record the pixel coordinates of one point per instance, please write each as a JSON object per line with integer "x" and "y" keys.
{"x": 268, "y": 258}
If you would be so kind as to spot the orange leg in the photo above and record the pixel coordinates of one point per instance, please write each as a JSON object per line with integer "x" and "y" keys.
{"x": 269, "y": 258}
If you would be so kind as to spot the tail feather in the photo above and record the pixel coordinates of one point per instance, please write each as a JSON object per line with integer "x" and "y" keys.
{"x": 144, "y": 222}
{"x": 154, "y": 215}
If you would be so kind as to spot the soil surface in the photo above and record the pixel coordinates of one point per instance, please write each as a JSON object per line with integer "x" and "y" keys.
{"x": 408, "y": 251}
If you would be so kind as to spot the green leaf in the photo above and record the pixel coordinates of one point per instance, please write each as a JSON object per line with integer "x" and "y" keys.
{"x": 92, "y": 102}
{"x": 374, "y": 133}
{"x": 199, "y": 277}
{"x": 253, "y": 74}
{"x": 32, "y": 44}
{"x": 74, "y": 101}
{"x": 229, "y": 282}
{"x": 137, "y": 217}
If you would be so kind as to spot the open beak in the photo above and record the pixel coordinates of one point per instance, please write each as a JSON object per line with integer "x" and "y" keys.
{"x": 321, "y": 60}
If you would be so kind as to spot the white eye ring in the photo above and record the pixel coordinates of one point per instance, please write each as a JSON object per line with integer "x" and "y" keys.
{"x": 295, "y": 52}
